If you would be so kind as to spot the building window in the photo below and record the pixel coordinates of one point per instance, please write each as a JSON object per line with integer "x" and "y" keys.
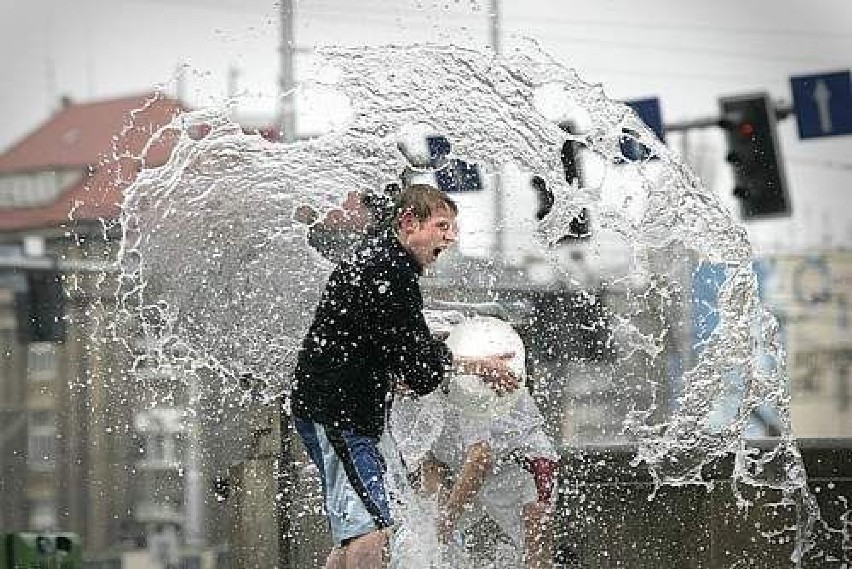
{"x": 41, "y": 361}
{"x": 41, "y": 418}
{"x": 34, "y": 189}
{"x": 43, "y": 515}
{"x": 41, "y": 448}
{"x": 158, "y": 447}
{"x": 160, "y": 434}
{"x": 41, "y": 444}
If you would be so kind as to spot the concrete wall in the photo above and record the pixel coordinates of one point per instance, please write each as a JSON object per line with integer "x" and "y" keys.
{"x": 606, "y": 519}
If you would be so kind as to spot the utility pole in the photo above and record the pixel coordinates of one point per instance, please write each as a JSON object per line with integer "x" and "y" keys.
{"x": 180, "y": 82}
{"x": 494, "y": 19}
{"x": 233, "y": 82}
{"x": 287, "y": 118}
{"x": 499, "y": 206}
{"x": 193, "y": 492}
{"x": 285, "y": 477}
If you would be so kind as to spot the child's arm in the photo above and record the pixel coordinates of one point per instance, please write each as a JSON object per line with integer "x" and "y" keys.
{"x": 494, "y": 370}
{"x": 476, "y": 467}
{"x": 433, "y": 476}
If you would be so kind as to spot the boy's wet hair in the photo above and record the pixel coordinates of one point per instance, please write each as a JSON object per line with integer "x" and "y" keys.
{"x": 422, "y": 200}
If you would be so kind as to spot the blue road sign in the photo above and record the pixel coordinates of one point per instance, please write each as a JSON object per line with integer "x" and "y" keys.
{"x": 823, "y": 104}
{"x": 649, "y": 111}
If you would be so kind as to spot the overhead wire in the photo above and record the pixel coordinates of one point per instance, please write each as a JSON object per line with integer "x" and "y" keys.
{"x": 738, "y": 54}
{"x": 682, "y": 27}
{"x": 634, "y": 46}
{"x": 551, "y": 19}
{"x": 392, "y": 15}
{"x": 392, "y": 9}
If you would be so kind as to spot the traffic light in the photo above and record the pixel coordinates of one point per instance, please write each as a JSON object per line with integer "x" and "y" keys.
{"x": 753, "y": 151}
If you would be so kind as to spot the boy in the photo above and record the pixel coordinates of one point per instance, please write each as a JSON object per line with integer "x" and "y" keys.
{"x": 368, "y": 339}
{"x": 492, "y": 456}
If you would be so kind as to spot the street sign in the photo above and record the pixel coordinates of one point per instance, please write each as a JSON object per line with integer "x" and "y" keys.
{"x": 823, "y": 104}
{"x": 649, "y": 111}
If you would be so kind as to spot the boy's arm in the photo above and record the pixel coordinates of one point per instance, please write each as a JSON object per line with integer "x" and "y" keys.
{"x": 469, "y": 481}
{"x": 494, "y": 370}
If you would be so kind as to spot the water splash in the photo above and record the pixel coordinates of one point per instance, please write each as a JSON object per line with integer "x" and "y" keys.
{"x": 217, "y": 273}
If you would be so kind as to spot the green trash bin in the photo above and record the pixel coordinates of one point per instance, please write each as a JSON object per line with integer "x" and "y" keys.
{"x": 25, "y": 550}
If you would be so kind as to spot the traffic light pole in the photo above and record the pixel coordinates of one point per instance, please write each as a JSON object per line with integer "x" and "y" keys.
{"x": 753, "y": 151}
{"x": 781, "y": 112}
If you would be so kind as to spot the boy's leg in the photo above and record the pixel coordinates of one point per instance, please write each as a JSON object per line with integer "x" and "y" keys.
{"x": 336, "y": 559}
{"x": 367, "y": 551}
{"x": 538, "y": 535}
{"x": 352, "y": 471}
{"x": 311, "y": 439}
{"x": 538, "y": 515}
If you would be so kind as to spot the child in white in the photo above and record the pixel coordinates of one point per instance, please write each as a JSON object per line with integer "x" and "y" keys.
{"x": 491, "y": 455}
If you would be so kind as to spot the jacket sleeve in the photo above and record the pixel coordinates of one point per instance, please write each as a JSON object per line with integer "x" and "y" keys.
{"x": 402, "y": 337}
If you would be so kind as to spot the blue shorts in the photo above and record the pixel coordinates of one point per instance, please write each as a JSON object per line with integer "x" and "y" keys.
{"x": 352, "y": 474}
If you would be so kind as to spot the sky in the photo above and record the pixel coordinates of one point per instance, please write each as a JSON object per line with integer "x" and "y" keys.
{"x": 688, "y": 54}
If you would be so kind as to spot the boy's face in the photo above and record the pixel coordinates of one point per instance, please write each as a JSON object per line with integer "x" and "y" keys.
{"x": 427, "y": 239}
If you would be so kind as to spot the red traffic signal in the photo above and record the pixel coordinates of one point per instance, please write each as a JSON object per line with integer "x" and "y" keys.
{"x": 754, "y": 153}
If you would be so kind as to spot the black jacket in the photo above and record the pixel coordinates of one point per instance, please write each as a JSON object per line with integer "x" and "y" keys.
{"x": 368, "y": 334}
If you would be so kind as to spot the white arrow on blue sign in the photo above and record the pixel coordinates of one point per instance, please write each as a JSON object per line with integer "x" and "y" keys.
{"x": 823, "y": 104}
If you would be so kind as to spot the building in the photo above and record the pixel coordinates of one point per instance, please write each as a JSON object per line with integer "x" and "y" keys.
{"x": 66, "y": 423}
{"x": 809, "y": 295}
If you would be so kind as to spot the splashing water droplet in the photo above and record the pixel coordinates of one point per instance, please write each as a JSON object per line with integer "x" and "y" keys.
{"x": 221, "y": 279}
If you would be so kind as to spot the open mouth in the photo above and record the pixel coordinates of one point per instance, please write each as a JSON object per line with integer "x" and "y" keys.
{"x": 437, "y": 251}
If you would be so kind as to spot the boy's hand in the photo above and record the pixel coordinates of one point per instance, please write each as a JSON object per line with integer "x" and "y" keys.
{"x": 494, "y": 370}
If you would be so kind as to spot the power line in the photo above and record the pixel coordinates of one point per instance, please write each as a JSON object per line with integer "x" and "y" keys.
{"x": 676, "y": 75}
{"x": 228, "y": 5}
{"x": 821, "y": 34}
{"x": 390, "y": 19}
{"x": 739, "y": 54}
{"x": 385, "y": 7}
{"x": 702, "y": 76}
{"x": 391, "y": 10}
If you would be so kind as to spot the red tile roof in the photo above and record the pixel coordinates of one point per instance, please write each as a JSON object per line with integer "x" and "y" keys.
{"x": 101, "y": 139}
